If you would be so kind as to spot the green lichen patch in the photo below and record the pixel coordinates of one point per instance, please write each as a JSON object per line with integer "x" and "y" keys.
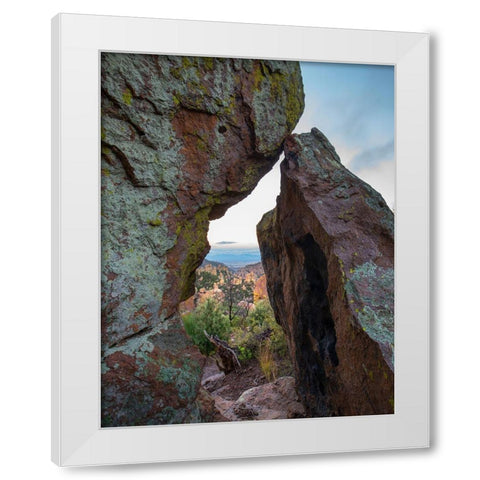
{"x": 187, "y": 389}
{"x": 347, "y": 214}
{"x": 127, "y": 96}
{"x": 250, "y": 177}
{"x": 370, "y": 291}
{"x": 194, "y": 234}
{"x": 209, "y": 63}
{"x": 376, "y": 202}
{"x": 157, "y": 221}
{"x": 278, "y": 99}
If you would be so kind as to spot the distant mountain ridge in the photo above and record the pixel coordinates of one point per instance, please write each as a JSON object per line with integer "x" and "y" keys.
{"x": 210, "y": 263}
{"x": 255, "y": 268}
{"x": 235, "y": 255}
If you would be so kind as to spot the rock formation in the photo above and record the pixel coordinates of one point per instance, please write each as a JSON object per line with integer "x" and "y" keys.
{"x": 265, "y": 401}
{"x": 260, "y": 290}
{"x": 183, "y": 139}
{"x": 327, "y": 250}
{"x": 271, "y": 401}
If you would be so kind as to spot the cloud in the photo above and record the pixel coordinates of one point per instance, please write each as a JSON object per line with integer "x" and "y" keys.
{"x": 373, "y": 156}
{"x": 354, "y": 103}
{"x": 346, "y": 153}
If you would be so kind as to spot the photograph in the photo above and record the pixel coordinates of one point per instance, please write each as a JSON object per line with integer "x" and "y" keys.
{"x": 247, "y": 239}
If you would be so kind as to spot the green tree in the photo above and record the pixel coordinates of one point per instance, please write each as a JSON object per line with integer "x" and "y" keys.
{"x": 238, "y": 295}
{"x": 263, "y": 315}
{"x": 206, "y": 280}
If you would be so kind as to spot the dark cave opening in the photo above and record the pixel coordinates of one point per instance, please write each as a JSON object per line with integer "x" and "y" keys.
{"x": 315, "y": 329}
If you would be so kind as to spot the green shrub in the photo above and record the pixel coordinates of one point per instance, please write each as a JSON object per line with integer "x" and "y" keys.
{"x": 260, "y": 336}
{"x": 262, "y": 315}
{"x": 244, "y": 340}
{"x": 245, "y": 353}
{"x": 263, "y": 319}
{"x": 207, "y": 317}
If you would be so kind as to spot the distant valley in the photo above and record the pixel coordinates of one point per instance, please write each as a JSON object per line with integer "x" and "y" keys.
{"x": 234, "y": 255}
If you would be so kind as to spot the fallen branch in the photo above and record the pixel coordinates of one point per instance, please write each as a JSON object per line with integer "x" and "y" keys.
{"x": 227, "y": 354}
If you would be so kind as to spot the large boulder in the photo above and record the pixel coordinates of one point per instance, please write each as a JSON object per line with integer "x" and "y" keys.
{"x": 327, "y": 249}
{"x": 271, "y": 401}
{"x": 183, "y": 139}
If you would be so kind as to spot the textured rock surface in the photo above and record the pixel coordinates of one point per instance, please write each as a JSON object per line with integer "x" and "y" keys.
{"x": 211, "y": 383}
{"x": 327, "y": 247}
{"x": 206, "y": 408}
{"x": 183, "y": 139}
{"x": 271, "y": 401}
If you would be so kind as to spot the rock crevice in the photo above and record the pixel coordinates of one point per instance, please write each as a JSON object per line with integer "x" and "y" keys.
{"x": 327, "y": 251}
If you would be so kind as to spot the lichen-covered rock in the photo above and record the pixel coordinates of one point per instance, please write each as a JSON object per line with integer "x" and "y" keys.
{"x": 152, "y": 378}
{"x": 205, "y": 409}
{"x": 327, "y": 249}
{"x": 183, "y": 139}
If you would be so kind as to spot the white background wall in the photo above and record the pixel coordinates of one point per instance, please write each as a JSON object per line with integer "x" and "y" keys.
{"x": 25, "y": 234}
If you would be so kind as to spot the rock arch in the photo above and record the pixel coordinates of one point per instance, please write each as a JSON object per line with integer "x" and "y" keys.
{"x": 183, "y": 139}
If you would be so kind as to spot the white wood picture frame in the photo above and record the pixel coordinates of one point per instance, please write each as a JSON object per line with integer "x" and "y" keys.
{"x": 77, "y": 438}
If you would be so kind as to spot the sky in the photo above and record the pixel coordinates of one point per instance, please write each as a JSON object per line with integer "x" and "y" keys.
{"x": 353, "y": 105}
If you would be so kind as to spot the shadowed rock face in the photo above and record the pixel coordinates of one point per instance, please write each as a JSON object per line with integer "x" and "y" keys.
{"x": 327, "y": 247}
{"x": 183, "y": 139}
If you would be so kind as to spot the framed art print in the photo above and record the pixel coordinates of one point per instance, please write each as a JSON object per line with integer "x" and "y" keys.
{"x": 240, "y": 240}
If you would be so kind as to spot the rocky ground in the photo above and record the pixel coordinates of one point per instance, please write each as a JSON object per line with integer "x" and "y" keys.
{"x": 245, "y": 394}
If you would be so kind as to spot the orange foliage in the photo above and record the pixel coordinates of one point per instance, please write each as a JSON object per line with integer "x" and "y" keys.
{"x": 260, "y": 291}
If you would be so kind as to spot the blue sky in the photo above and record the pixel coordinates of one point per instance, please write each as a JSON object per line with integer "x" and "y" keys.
{"x": 353, "y": 105}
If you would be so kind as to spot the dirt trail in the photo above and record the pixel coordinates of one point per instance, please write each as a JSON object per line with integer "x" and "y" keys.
{"x": 231, "y": 386}
{"x": 246, "y": 394}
